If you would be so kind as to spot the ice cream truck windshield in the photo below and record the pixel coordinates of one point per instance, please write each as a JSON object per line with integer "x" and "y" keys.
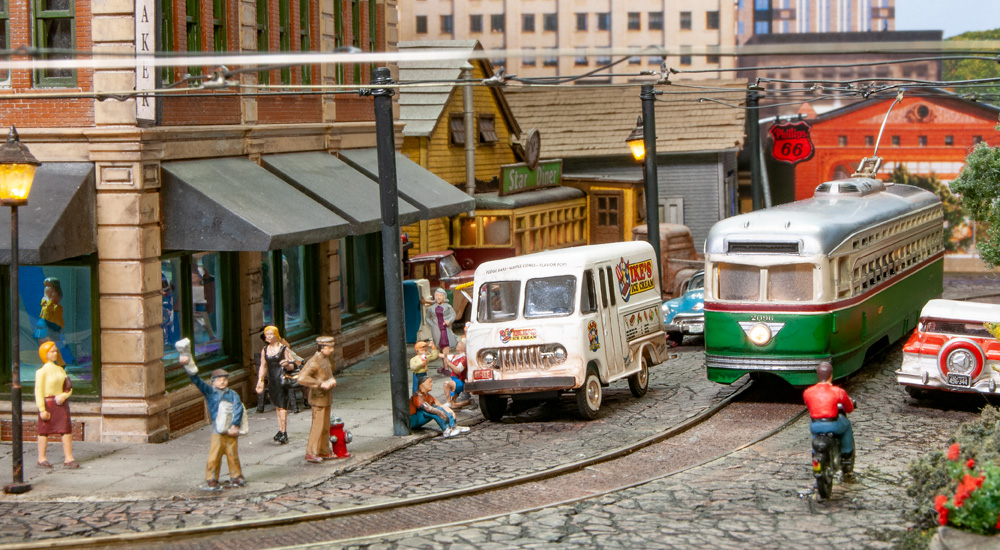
{"x": 543, "y": 297}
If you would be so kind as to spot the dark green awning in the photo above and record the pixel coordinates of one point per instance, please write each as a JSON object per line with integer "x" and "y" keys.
{"x": 433, "y": 196}
{"x": 232, "y": 204}
{"x": 58, "y": 221}
{"x": 334, "y": 184}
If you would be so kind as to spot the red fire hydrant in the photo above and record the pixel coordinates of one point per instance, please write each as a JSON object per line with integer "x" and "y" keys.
{"x": 339, "y": 437}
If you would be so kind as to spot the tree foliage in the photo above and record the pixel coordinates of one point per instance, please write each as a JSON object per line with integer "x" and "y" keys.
{"x": 979, "y": 187}
{"x": 954, "y": 216}
{"x": 971, "y": 69}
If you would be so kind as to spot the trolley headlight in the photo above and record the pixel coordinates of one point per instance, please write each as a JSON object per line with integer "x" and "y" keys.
{"x": 760, "y": 334}
{"x": 488, "y": 358}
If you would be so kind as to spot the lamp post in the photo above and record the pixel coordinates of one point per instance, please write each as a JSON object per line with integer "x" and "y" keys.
{"x": 642, "y": 142}
{"x": 17, "y": 172}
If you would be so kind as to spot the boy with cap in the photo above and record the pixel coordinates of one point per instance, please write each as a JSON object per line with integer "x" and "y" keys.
{"x": 426, "y": 352}
{"x": 222, "y": 402}
{"x": 317, "y": 375}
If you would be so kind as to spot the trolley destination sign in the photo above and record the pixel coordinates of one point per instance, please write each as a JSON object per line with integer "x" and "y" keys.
{"x": 792, "y": 143}
{"x": 516, "y": 178}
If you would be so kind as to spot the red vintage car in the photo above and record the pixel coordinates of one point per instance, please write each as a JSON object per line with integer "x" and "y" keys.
{"x": 952, "y": 349}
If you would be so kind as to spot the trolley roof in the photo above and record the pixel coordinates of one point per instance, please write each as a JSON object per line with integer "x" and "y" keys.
{"x": 820, "y": 223}
{"x": 574, "y": 258}
{"x": 962, "y": 311}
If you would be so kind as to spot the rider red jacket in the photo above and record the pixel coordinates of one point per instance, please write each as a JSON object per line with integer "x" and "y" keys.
{"x": 823, "y": 398}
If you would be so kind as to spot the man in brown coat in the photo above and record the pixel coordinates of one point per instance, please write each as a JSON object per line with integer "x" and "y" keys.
{"x": 317, "y": 374}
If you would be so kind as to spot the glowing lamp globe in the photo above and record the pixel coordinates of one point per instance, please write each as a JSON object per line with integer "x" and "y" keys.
{"x": 17, "y": 171}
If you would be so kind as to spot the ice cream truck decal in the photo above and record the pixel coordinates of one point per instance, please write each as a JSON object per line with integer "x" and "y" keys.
{"x": 565, "y": 321}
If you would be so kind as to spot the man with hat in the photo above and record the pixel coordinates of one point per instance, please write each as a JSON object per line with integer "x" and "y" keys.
{"x": 317, "y": 375}
{"x": 226, "y": 413}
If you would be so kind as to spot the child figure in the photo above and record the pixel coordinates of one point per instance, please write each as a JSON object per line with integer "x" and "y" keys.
{"x": 52, "y": 391}
{"x": 457, "y": 365}
{"x": 426, "y": 352}
{"x": 226, "y": 413}
{"x": 424, "y": 408}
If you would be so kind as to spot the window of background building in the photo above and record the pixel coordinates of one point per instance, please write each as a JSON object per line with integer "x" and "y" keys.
{"x": 356, "y": 36}
{"x": 446, "y": 24}
{"x": 197, "y": 299}
{"x": 219, "y": 25}
{"x": 55, "y": 28}
{"x": 263, "y": 77}
{"x": 305, "y": 37}
{"x": 634, "y": 23}
{"x": 656, "y": 20}
{"x": 603, "y": 21}
{"x": 285, "y": 37}
{"x": 713, "y": 59}
{"x": 499, "y": 62}
{"x": 581, "y": 21}
{"x": 292, "y": 290}
{"x": 498, "y": 22}
{"x": 685, "y": 20}
{"x": 635, "y": 59}
{"x": 869, "y": 141}
{"x": 475, "y": 23}
{"x": 361, "y": 290}
{"x": 71, "y": 325}
{"x": 922, "y": 141}
{"x": 421, "y": 24}
{"x": 686, "y": 59}
{"x": 712, "y": 20}
{"x": 456, "y": 129}
{"x": 603, "y": 60}
{"x": 192, "y": 26}
{"x": 488, "y": 130}
{"x": 949, "y": 140}
{"x": 655, "y": 60}
{"x": 550, "y": 22}
{"x": 550, "y": 61}
{"x": 166, "y": 37}
{"x": 4, "y": 37}
{"x": 895, "y": 141}
{"x": 842, "y": 141}
{"x": 528, "y": 60}
{"x": 581, "y": 57}
{"x": 528, "y": 22}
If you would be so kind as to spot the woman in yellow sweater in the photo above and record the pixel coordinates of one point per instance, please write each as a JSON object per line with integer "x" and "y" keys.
{"x": 52, "y": 391}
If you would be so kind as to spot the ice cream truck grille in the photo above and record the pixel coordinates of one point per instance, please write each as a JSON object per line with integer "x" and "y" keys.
{"x": 521, "y": 358}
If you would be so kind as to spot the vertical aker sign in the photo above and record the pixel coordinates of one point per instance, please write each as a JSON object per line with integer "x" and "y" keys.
{"x": 145, "y": 72}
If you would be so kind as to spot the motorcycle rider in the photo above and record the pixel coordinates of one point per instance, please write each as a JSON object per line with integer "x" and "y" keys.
{"x": 823, "y": 400}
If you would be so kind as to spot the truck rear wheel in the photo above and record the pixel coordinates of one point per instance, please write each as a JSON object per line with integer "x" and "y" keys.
{"x": 638, "y": 383}
{"x": 588, "y": 396}
{"x": 493, "y": 407}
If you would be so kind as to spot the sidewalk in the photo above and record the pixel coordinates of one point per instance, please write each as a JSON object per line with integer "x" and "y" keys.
{"x": 119, "y": 471}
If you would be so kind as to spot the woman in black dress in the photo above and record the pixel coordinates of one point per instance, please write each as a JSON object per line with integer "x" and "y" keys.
{"x": 275, "y": 359}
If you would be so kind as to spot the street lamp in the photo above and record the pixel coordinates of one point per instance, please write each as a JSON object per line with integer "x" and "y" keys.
{"x": 642, "y": 143}
{"x": 635, "y": 141}
{"x": 17, "y": 172}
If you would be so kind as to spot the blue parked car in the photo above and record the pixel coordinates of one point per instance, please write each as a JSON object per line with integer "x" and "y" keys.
{"x": 686, "y": 313}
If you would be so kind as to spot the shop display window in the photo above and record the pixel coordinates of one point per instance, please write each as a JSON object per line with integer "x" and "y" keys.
{"x": 361, "y": 285}
{"x": 293, "y": 291}
{"x": 56, "y": 303}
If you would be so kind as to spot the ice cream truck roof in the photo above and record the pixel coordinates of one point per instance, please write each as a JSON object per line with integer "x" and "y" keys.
{"x": 573, "y": 259}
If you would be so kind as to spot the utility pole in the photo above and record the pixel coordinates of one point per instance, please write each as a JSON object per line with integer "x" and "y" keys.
{"x": 754, "y": 148}
{"x": 648, "y": 97}
{"x": 391, "y": 257}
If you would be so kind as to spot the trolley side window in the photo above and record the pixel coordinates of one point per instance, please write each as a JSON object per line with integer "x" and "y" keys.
{"x": 792, "y": 283}
{"x": 498, "y": 301}
{"x": 549, "y": 296}
{"x": 739, "y": 282}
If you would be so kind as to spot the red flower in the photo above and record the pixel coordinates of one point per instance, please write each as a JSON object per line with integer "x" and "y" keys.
{"x": 966, "y": 487}
{"x": 971, "y": 463}
{"x": 943, "y": 516}
{"x": 939, "y": 503}
{"x": 998, "y": 523}
{"x": 953, "y": 451}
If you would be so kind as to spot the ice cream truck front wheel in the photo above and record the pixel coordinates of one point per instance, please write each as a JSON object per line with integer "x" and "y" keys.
{"x": 493, "y": 407}
{"x": 588, "y": 396}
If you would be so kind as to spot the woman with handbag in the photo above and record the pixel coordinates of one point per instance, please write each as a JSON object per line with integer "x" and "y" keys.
{"x": 52, "y": 391}
{"x": 275, "y": 360}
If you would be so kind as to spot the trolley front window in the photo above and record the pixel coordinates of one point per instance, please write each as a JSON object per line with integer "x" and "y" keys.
{"x": 549, "y": 296}
{"x": 739, "y": 282}
{"x": 498, "y": 301}
{"x": 792, "y": 283}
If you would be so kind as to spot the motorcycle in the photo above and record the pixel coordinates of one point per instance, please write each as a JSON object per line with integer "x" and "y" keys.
{"x": 827, "y": 461}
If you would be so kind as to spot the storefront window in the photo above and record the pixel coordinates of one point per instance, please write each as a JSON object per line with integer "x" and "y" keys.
{"x": 54, "y": 305}
{"x": 496, "y": 231}
{"x": 194, "y": 295}
{"x": 361, "y": 286}
{"x": 290, "y": 292}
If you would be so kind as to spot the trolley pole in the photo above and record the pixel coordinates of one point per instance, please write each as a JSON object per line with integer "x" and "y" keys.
{"x": 648, "y": 96}
{"x": 753, "y": 137}
{"x": 391, "y": 266}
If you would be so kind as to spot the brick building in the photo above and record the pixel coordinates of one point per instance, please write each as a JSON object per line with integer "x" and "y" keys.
{"x": 206, "y": 215}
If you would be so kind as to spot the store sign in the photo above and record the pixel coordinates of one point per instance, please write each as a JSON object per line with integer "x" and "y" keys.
{"x": 792, "y": 143}
{"x": 145, "y": 46}
{"x": 516, "y": 178}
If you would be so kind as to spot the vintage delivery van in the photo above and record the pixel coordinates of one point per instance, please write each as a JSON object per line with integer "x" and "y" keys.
{"x": 560, "y": 321}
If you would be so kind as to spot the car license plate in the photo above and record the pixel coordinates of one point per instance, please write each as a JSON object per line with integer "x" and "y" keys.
{"x": 696, "y": 329}
{"x": 483, "y": 374}
{"x": 963, "y": 380}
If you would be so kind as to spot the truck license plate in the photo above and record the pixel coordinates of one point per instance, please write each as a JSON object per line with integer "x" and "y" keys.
{"x": 483, "y": 374}
{"x": 963, "y": 380}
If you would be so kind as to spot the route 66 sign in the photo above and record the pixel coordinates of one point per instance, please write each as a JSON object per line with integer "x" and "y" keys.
{"x": 792, "y": 143}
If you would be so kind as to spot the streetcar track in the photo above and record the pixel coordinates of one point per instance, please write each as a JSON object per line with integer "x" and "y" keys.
{"x": 175, "y": 537}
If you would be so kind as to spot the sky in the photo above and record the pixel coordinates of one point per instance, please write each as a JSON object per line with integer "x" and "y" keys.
{"x": 951, "y": 16}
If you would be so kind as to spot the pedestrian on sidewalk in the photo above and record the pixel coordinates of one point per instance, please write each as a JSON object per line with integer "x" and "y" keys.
{"x": 318, "y": 375}
{"x": 275, "y": 359}
{"x": 225, "y": 410}
{"x": 440, "y": 315}
{"x": 52, "y": 391}
{"x": 456, "y": 367}
{"x": 424, "y": 408}
{"x": 426, "y": 352}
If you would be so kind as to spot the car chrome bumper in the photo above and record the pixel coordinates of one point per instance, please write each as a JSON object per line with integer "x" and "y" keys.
{"x": 686, "y": 325}
{"x": 923, "y": 372}
{"x": 521, "y": 385}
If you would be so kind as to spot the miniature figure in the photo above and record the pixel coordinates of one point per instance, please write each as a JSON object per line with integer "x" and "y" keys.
{"x": 52, "y": 391}
{"x": 829, "y": 406}
{"x": 457, "y": 369}
{"x": 50, "y": 318}
{"x": 424, "y": 408}
{"x": 418, "y": 363}
{"x": 339, "y": 437}
{"x": 225, "y": 410}
{"x": 275, "y": 359}
{"x": 318, "y": 375}
{"x": 440, "y": 316}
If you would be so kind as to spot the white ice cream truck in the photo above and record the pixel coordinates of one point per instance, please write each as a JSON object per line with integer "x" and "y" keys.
{"x": 560, "y": 321}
